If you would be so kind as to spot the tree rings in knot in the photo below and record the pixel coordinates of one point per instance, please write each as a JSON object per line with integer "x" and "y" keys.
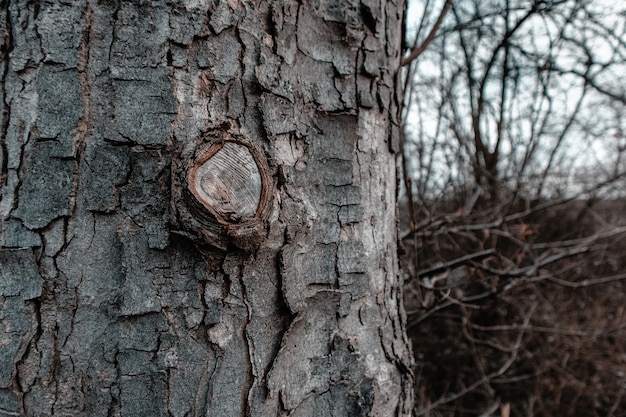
{"x": 226, "y": 179}
{"x": 226, "y": 190}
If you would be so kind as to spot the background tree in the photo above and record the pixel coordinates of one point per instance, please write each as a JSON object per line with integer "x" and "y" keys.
{"x": 513, "y": 156}
{"x": 136, "y": 133}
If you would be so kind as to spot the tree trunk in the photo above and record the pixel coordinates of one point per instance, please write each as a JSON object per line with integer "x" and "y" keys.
{"x": 198, "y": 209}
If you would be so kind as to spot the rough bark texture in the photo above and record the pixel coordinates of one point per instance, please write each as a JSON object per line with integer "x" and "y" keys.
{"x": 107, "y": 305}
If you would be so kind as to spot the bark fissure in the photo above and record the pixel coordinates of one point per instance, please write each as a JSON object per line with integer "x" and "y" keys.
{"x": 12, "y": 195}
{"x": 5, "y": 50}
{"x": 248, "y": 355}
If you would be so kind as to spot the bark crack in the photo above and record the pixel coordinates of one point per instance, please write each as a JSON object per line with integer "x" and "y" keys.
{"x": 5, "y": 50}
{"x": 114, "y": 18}
{"x": 114, "y": 404}
{"x": 248, "y": 348}
{"x": 36, "y": 11}
{"x": 82, "y": 129}
{"x": 203, "y": 391}
{"x": 18, "y": 169}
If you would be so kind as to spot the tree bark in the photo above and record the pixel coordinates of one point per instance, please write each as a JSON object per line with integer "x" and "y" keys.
{"x": 123, "y": 291}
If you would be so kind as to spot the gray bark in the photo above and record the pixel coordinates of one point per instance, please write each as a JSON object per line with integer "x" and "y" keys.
{"x": 114, "y": 300}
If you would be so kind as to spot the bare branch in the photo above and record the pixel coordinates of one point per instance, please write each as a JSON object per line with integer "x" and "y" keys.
{"x": 552, "y": 330}
{"x": 456, "y": 262}
{"x": 416, "y": 52}
{"x": 587, "y": 282}
{"x": 591, "y": 82}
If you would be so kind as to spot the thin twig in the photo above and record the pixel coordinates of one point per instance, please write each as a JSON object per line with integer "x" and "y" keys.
{"x": 532, "y": 269}
{"x": 587, "y": 282}
{"x": 551, "y": 330}
{"x": 431, "y": 36}
{"x": 456, "y": 262}
{"x": 580, "y": 241}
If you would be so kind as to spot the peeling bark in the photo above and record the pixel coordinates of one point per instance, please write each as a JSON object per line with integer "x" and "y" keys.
{"x": 109, "y": 303}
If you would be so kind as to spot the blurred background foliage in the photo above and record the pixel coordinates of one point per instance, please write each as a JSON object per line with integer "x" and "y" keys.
{"x": 513, "y": 206}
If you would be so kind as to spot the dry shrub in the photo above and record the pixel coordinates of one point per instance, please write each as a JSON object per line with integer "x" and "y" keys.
{"x": 519, "y": 315}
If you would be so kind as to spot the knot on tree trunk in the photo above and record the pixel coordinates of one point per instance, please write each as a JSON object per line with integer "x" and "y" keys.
{"x": 222, "y": 190}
